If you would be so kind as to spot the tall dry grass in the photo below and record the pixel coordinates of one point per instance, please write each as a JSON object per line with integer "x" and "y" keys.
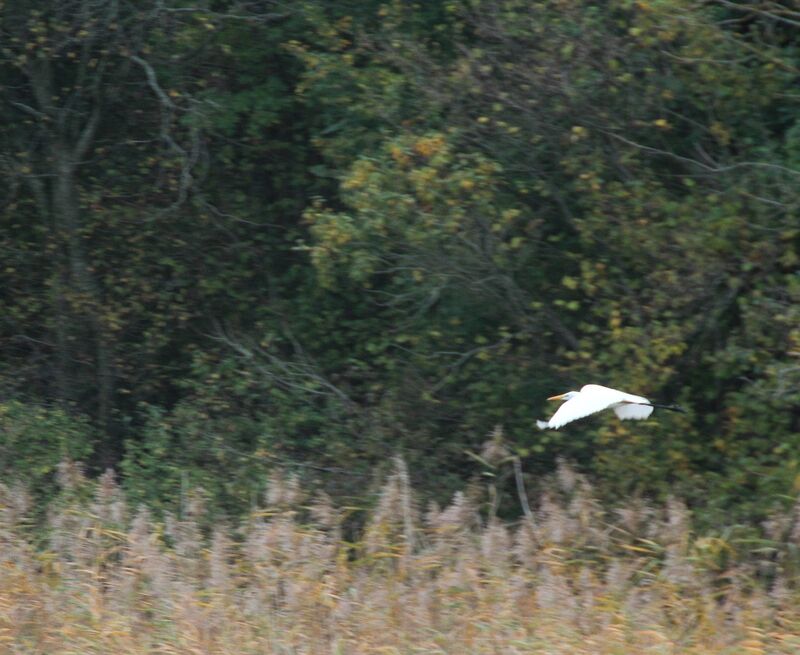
{"x": 573, "y": 578}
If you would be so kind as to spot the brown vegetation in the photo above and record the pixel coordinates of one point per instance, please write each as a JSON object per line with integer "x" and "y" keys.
{"x": 576, "y": 578}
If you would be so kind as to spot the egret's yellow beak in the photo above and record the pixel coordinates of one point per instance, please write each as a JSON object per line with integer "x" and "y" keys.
{"x": 559, "y": 397}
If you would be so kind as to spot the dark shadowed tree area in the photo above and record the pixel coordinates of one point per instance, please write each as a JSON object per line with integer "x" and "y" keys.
{"x": 239, "y": 235}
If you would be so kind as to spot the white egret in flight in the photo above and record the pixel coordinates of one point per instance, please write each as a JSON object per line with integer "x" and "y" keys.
{"x": 595, "y": 398}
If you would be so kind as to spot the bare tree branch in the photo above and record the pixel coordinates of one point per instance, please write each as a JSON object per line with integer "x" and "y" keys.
{"x": 774, "y": 15}
{"x": 188, "y": 159}
{"x": 152, "y": 80}
{"x": 294, "y": 375}
{"x": 699, "y": 164}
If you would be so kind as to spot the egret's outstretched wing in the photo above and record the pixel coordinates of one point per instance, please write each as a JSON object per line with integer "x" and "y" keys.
{"x": 592, "y": 398}
{"x": 629, "y": 410}
{"x": 635, "y": 407}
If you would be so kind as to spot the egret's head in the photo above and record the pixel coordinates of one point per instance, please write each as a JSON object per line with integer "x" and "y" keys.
{"x": 564, "y": 396}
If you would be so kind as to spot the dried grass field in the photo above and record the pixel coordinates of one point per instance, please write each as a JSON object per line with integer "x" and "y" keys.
{"x": 573, "y": 578}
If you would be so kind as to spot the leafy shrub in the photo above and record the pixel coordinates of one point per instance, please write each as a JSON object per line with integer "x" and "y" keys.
{"x": 34, "y": 440}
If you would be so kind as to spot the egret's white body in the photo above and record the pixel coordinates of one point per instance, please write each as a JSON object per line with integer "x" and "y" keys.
{"x": 594, "y": 398}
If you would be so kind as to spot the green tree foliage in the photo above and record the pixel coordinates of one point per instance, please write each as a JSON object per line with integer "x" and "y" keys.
{"x": 652, "y": 202}
{"x": 239, "y": 234}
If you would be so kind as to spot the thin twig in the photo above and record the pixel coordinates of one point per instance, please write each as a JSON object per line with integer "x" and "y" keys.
{"x": 523, "y": 495}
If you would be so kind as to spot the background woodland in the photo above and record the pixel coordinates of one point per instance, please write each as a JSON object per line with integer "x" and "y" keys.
{"x": 238, "y": 237}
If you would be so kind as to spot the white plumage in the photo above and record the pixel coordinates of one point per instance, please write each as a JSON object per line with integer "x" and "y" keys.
{"x": 594, "y": 398}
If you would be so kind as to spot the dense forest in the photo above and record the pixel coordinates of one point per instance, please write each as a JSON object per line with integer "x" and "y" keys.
{"x": 241, "y": 237}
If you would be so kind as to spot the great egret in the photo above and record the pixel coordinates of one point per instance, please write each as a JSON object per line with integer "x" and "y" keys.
{"x": 595, "y": 398}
